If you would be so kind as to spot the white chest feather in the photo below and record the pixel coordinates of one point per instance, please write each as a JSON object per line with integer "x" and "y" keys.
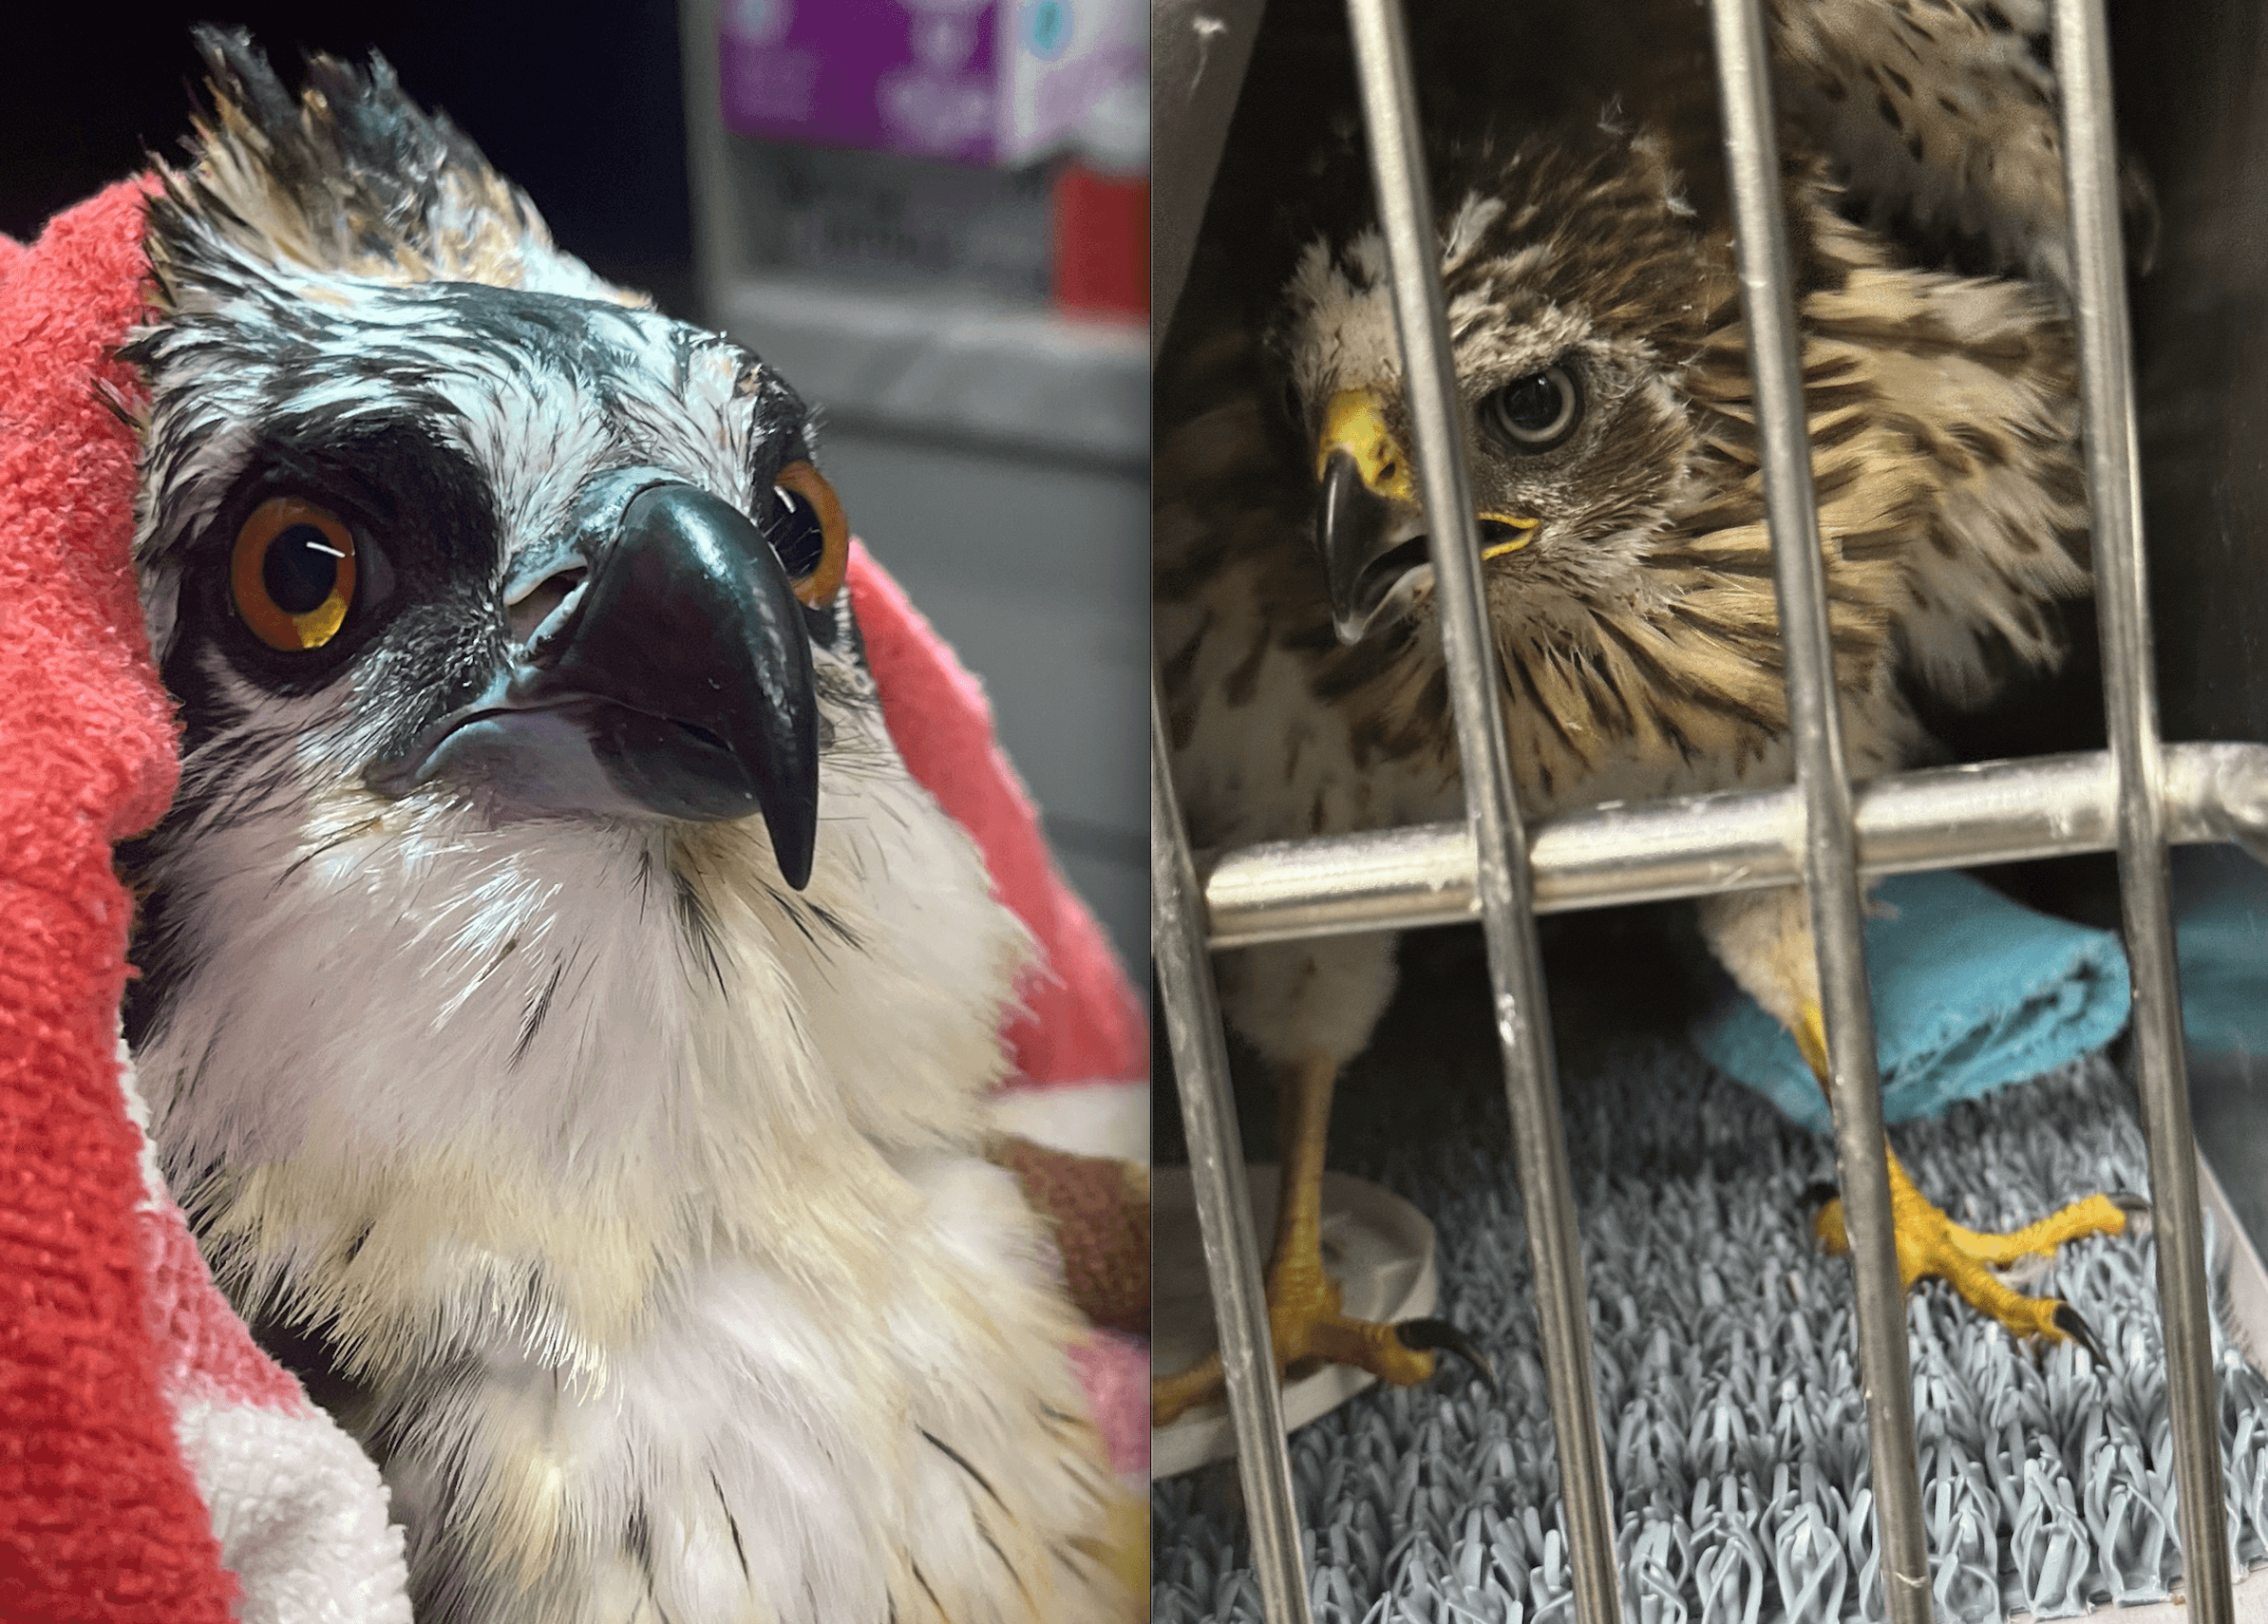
{"x": 644, "y": 1197}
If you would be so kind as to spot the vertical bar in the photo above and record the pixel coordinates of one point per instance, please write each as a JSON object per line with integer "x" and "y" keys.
{"x": 717, "y": 239}
{"x": 2130, "y": 699}
{"x": 1223, "y": 1208}
{"x": 1198, "y": 57}
{"x": 1540, "y": 1144}
{"x": 1830, "y": 860}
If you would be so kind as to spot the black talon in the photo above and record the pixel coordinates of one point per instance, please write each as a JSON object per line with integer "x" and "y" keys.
{"x": 2137, "y": 1209}
{"x": 2068, "y": 1322}
{"x": 1440, "y": 1337}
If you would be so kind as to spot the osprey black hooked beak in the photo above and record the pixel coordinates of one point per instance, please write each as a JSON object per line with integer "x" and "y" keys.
{"x": 670, "y": 677}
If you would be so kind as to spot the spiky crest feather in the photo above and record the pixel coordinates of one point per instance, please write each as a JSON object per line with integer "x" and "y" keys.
{"x": 349, "y": 178}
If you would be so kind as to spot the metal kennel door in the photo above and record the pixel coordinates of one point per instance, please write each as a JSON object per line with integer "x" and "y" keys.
{"x": 2136, "y": 798}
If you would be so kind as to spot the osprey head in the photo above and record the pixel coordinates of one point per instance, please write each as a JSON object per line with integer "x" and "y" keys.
{"x": 1576, "y": 283}
{"x": 466, "y": 522}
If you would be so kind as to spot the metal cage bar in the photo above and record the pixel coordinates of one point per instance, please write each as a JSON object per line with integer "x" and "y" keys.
{"x": 2130, "y": 702}
{"x": 1224, "y": 1207}
{"x": 1522, "y": 1021}
{"x": 1656, "y": 851}
{"x": 2136, "y": 796}
{"x": 1824, "y": 786}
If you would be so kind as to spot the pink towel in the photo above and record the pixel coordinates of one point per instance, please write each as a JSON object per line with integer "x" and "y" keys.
{"x": 147, "y": 1447}
{"x": 1081, "y": 1021}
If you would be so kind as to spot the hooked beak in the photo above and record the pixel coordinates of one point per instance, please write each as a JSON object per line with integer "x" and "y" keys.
{"x": 673, "y": 681}
{"x": 1370, "y": 527}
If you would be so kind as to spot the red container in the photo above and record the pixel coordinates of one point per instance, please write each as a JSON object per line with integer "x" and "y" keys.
{"x": 1101, "y": 243}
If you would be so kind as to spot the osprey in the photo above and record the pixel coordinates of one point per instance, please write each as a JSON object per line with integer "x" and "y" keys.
{"x": 1596, "y": 327}
{"x": 559, "y": 1003}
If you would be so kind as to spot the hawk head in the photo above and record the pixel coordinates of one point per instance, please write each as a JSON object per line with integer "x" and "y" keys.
{"x": 1580, "y": 284}
{"x": 534, "y": 785}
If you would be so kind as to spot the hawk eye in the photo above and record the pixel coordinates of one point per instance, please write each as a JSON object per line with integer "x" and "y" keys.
{"x": 1534, "y": 413}
{"x": 293, "y": 574}
{"x": 807, "y": 531}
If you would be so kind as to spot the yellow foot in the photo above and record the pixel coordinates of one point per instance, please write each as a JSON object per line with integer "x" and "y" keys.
{"x": 1929, "y": 1243}
{"x": 1307, "y": 1327}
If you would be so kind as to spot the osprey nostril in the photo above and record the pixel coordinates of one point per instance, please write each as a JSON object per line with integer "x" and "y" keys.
{"x": 540, "y": 602}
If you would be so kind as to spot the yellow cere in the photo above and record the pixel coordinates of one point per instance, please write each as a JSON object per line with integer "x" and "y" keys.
{"x": 1355, "y": 422}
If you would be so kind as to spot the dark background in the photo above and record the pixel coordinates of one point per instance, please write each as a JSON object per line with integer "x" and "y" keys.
{"x": 581, "y": 105}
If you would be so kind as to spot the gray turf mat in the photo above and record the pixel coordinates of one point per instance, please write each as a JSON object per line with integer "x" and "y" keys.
{"x": 1736, "y": 1437}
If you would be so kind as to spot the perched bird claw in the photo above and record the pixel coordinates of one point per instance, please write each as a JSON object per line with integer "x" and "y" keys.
{"x": 1440, "y": 1335}
{"x": 1981, "y": 1267}
{"x": 1306, "y": 1329}
{"x": 2137, "y": 1208}
{"x": 2068, "y": 1321}
{"x": 1972, "y": 1262}
{"x": 1306, "y": 1322}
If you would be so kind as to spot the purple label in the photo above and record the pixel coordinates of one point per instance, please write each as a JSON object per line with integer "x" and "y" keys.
{"x": 910, "y": 76}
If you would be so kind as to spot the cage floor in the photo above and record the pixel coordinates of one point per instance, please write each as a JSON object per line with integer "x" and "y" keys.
{"x": 1735, "y": 1429}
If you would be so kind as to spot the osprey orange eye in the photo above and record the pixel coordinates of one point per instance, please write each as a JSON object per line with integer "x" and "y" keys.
{"x": 293, "y": 574}
{"x": 809, "y": 532}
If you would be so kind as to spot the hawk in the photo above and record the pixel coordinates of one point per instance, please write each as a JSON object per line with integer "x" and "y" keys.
{"x": 559, "y": 1005}
{"x": 1594, "y": 313}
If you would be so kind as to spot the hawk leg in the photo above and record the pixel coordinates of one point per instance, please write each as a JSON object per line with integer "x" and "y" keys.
{"x": 1304, "y": 1318}
{"x": 1929, "y": 1243}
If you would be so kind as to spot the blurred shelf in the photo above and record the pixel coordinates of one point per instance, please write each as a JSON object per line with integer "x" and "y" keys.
{"x": 953, "y": 366}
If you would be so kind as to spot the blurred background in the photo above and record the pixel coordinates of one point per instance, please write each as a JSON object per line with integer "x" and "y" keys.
{"x": 931, "y": 215}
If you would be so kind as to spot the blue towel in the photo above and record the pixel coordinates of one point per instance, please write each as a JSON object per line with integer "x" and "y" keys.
{"x": 1972, "y": 992}
{"x": 2220, "y": 912}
